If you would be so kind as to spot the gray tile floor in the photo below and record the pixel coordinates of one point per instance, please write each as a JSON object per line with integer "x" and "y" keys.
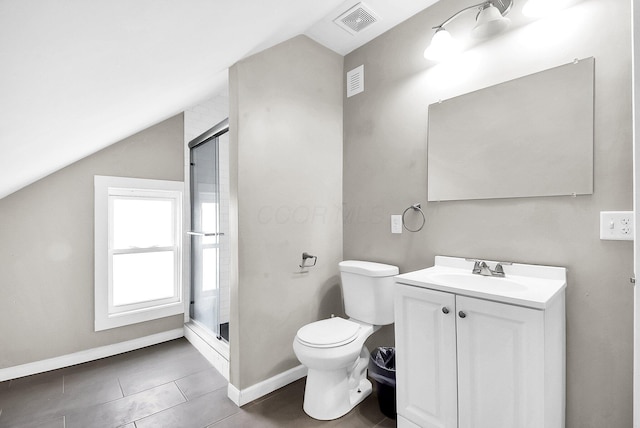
{"x": 166, "y": 385}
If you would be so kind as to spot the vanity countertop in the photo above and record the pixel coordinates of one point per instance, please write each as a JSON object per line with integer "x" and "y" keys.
{"x": 532, "y": 286}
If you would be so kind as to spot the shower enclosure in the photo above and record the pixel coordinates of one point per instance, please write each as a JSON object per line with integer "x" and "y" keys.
{"x": 209, "y": 305}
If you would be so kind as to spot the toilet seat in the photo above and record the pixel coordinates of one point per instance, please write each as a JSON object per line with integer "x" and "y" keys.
{"x": 328, "y": 333}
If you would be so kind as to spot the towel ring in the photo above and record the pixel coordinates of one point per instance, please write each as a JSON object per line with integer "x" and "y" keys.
{"x": 415, "y": 207}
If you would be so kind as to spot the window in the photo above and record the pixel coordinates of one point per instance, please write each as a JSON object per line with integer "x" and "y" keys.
{"x": 138, "y": 250}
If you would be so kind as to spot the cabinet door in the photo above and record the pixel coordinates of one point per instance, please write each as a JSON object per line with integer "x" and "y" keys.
{"x": 426, "y": 356}
{"x": 500, "y": 365}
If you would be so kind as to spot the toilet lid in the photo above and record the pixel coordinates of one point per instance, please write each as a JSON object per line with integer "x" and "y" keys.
{"x": 328, "y": 333}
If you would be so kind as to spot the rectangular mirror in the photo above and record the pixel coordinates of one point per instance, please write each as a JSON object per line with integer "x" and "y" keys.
{"x": 531, "y": 136}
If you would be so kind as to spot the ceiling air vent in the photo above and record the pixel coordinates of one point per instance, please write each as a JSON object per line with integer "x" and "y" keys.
{"x": 356, "y": 19}
{"x": 355, "y": 81}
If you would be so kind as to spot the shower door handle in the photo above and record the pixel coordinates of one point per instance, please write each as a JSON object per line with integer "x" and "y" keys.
{"x": 192, "y": 233}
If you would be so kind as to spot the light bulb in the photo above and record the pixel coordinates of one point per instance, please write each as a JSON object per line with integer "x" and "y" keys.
{"x": 489, "y": 23}
{"x": 442, "y": 46}
{"x": 540, "y": 8}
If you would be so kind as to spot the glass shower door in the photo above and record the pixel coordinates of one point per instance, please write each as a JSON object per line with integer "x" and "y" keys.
{"x": 205, "y": 236}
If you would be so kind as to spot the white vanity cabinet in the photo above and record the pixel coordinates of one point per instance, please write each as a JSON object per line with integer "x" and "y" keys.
{"x": 426, "y": 379}
{"x": 465, "y": 359}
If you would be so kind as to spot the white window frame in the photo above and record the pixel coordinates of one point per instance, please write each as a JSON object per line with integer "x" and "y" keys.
{"x": 107, "y": 188}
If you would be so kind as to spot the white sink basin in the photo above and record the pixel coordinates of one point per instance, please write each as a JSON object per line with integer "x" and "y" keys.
{"x": 484, "y": 283}
{"x": 525, "y": 285}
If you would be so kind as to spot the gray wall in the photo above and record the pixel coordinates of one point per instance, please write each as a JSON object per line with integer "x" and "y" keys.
{"x": 385, "y": 172}
{"x": 286, "y": 143}
{"x": 46, "y": 250}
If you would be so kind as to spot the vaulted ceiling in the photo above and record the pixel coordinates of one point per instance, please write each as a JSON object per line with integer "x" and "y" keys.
{"x": 79, "y": 75}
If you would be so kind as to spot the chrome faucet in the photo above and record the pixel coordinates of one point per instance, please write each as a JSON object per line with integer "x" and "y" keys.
{"x": 499, "y": 271}
{"x": 481, "y": 268}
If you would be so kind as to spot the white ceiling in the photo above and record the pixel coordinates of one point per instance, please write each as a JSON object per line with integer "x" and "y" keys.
{"x": 390, "y": 14}
{"x": 79, "y": 75}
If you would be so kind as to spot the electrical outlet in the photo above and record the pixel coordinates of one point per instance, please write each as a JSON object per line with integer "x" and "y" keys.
{"x": 616, "y": 225}
{"x": 396, "y": 224}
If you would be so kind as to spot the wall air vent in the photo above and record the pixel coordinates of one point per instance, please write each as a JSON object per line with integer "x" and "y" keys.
{"x": 355, "y": 81}
{"x": 356, "y": 19}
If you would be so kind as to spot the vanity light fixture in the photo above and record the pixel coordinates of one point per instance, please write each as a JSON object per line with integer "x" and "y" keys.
{"x": 490, "y": 20}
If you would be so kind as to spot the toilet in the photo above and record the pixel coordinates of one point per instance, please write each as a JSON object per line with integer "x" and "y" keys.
{"x": 333, "y": 349}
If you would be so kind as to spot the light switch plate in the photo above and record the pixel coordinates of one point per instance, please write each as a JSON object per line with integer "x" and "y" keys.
{"x": 616, "y": 225}
{"x": 396, "y": 224}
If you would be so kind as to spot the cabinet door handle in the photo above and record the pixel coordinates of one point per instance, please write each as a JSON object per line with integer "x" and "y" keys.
{"x": 462, "y": 314}
{"x": 445, "y": 310}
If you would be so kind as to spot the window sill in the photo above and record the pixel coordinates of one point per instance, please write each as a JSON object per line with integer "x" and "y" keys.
{"x": 105, "y": 321}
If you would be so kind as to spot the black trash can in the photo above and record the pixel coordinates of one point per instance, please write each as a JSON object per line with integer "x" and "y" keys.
{"x": 382, "y": 369}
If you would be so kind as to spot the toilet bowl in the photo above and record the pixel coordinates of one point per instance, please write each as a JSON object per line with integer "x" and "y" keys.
{"x": 333, "y": 349}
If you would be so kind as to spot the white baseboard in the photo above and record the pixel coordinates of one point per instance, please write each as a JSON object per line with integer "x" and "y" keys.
{"x": 215, "y": 357}
{"x": 247, "y": 395}
{"x": 88, "y": 355}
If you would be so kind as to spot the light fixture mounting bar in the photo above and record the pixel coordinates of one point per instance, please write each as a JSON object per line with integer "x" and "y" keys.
{"x": 502, "y": 5}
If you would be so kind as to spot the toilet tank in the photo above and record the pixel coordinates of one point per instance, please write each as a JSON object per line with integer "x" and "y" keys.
{"x": 367, "y": 290}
